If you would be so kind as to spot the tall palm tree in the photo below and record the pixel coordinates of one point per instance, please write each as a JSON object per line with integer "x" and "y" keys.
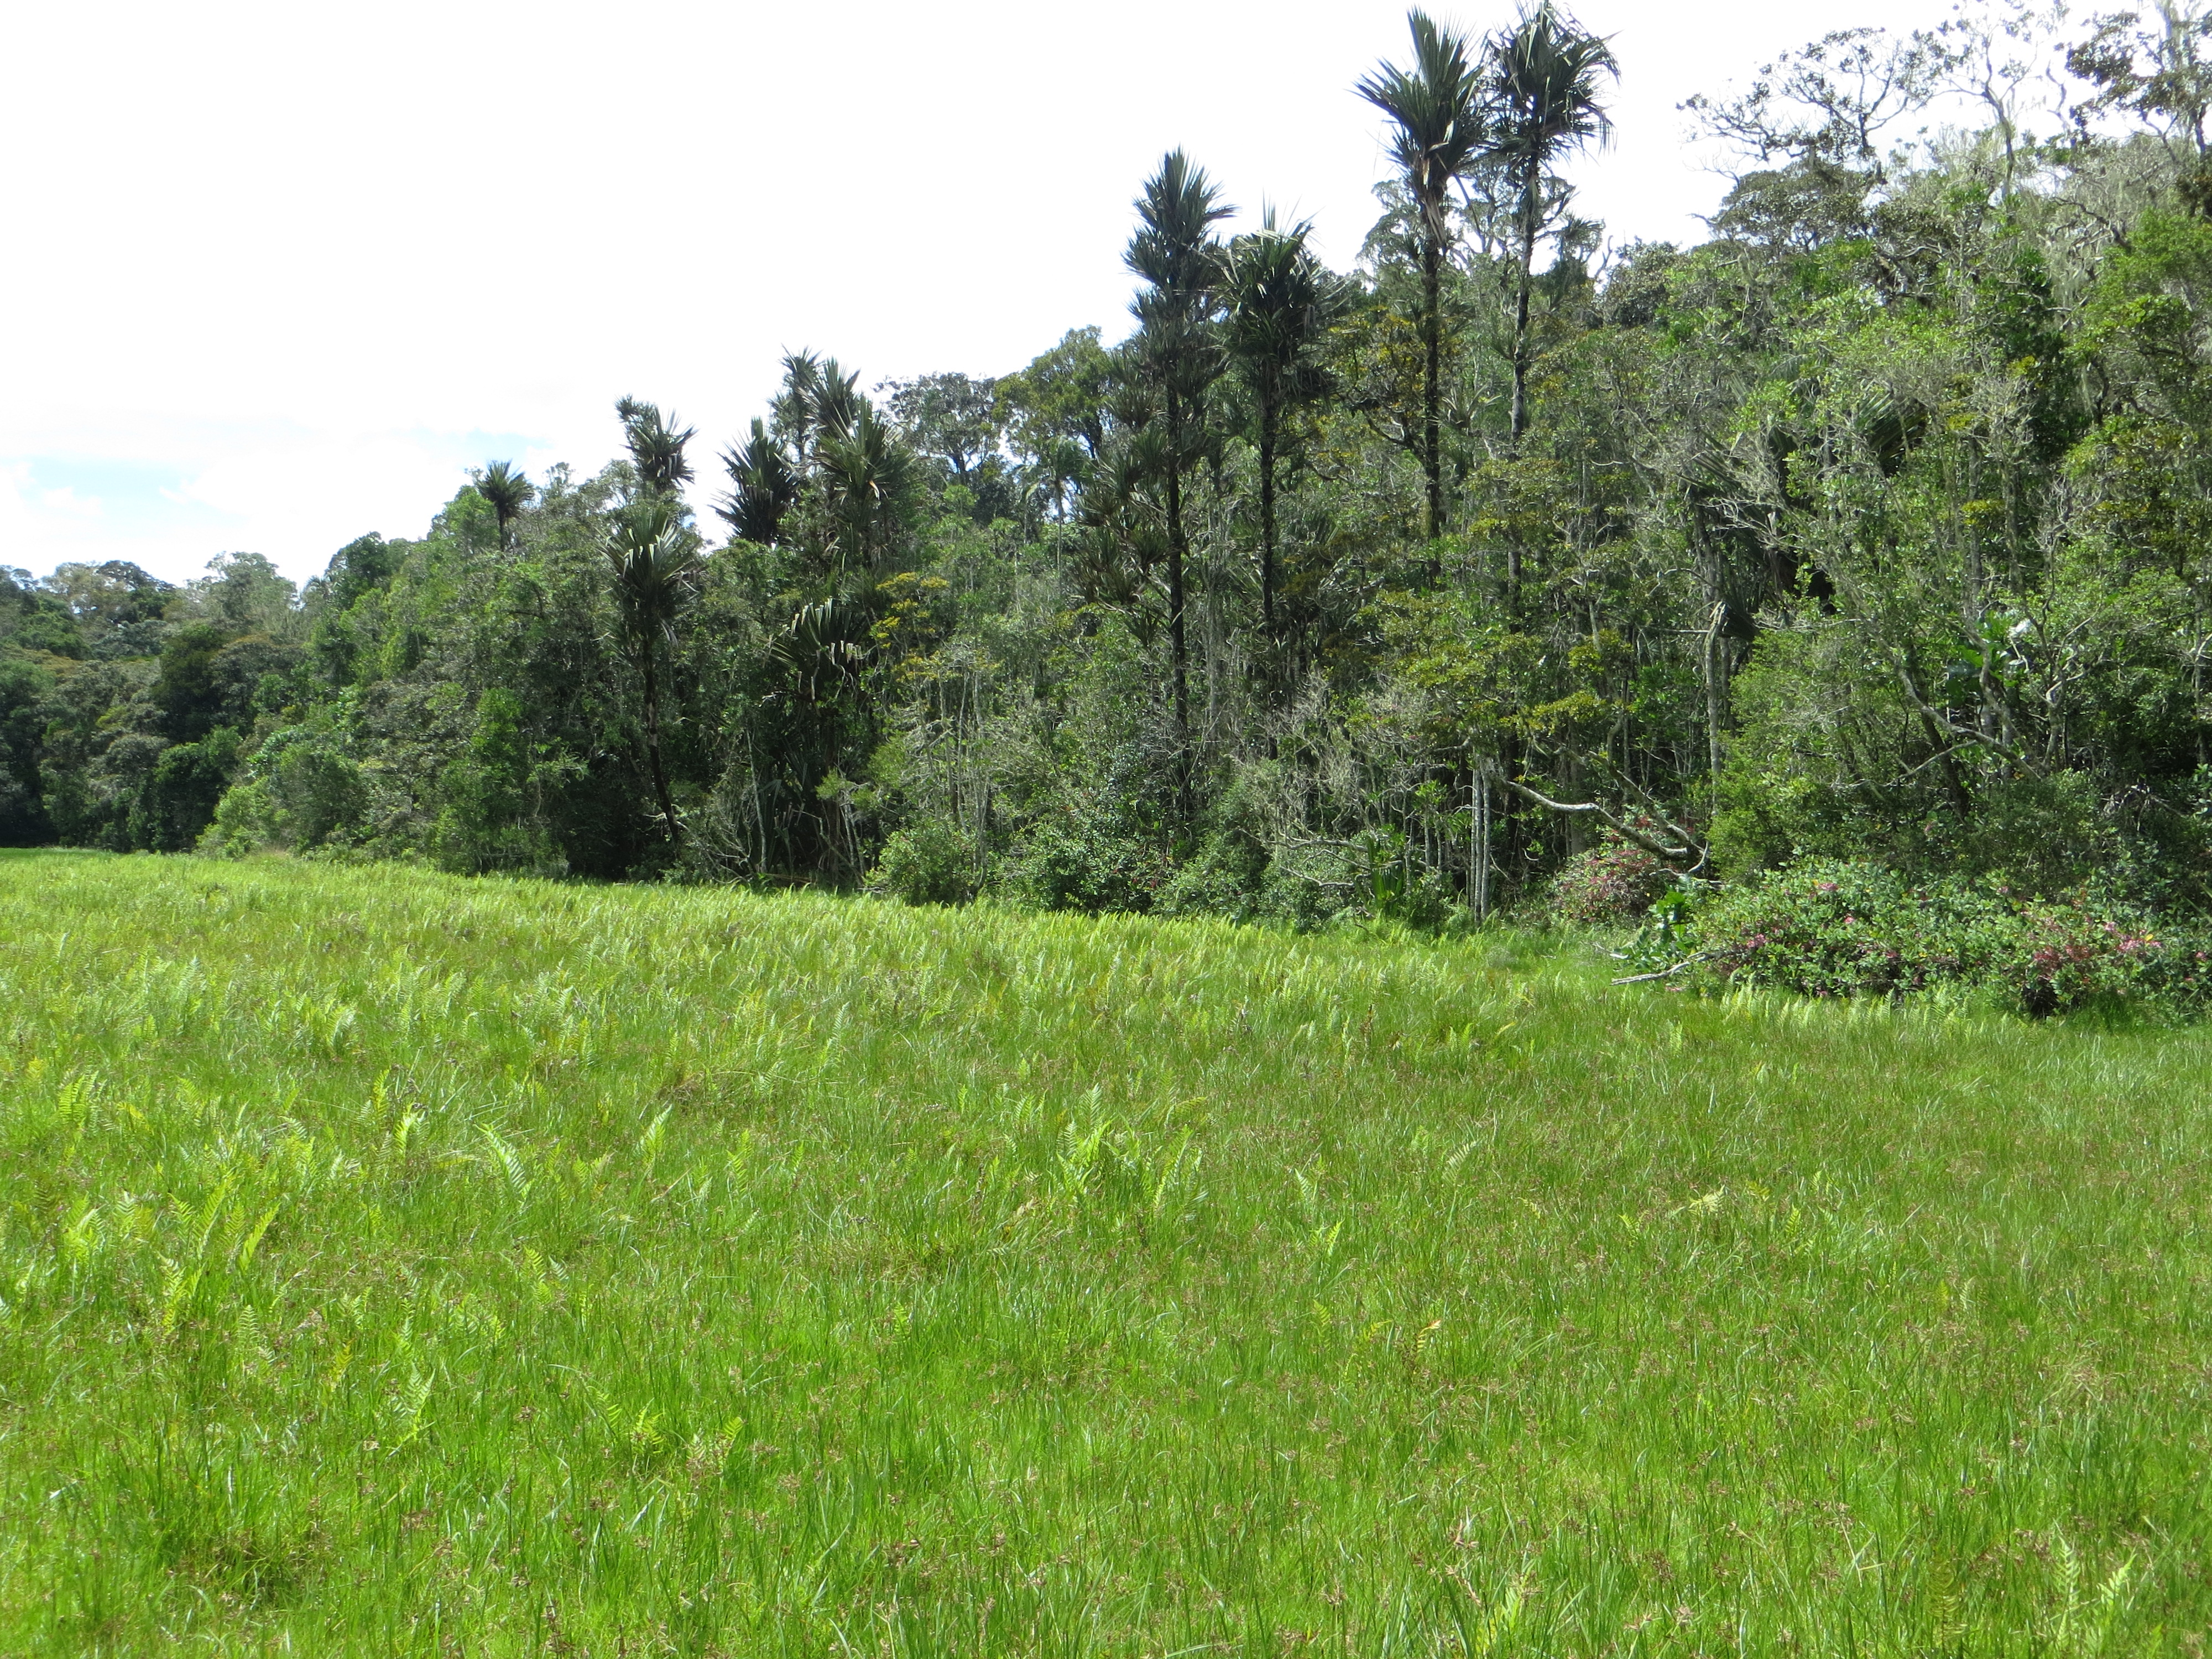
{"x": 654, "y": 556}
{"x": 654, "y": 444}
{"x": 1540, "y": 84}
{"x": 1437, "y": 112}
{"x": 1175, "y": 252}
{"x": 1278, "y": 299}
{"x": 507, "y": 491}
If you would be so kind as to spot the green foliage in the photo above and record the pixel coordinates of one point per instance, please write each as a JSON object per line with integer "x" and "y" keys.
{"x": 1835, "y": 928}
{"x": 490, "y": 819}
{"x": 24, "y": 687}
{"x": 297, "y": 792}
{"x": 928, "y": 862}
{"x": 1871, "y": 528}
{"x": 1614, "y": 882}
{"x": 179, "y": 798}
{"x": 1093, "y": 861}
{"x": 1226, "y": 878}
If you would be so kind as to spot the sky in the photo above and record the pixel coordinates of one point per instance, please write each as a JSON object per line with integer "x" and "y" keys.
{"x": 279, "y": 275}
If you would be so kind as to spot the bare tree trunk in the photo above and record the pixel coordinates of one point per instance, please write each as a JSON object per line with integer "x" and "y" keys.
{"x": 1178, "y": 649}
{"x": 1715, "y": 695}
{"x": 2196, "y": 675}
{"x": 1432, "y": 382}
{"x": 1268, "y": 517}
{"x": 653, "y": 743}
{"x": 1519, "y": 411}
{"x": 1479, "y": 848}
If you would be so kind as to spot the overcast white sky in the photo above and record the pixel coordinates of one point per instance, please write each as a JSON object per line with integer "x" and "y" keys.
{"x": 280, "y": 274}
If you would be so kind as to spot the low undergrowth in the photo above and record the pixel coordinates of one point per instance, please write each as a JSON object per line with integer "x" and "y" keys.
{"x": 1832, "y": 928}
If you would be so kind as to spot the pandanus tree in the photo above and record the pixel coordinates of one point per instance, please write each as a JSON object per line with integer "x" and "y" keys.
{"x": 507, "y": 491}
{"x": 868, "y": 474}
{"x": 1175, "y": 252}
{"x": 764, "y": 488}
{"x": 1542, "y": 87}
{"x": 819, "y": 399}
{"x": 1435, "y": 110}
{"x": 655, "y": 445}
{"x": 837, "y": 401}
{"x": 653, "y": 555}
{"x": 1278, "y": 300}
{"x": 1124, "y": 539}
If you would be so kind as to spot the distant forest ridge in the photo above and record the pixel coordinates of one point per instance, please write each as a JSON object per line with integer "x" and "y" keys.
{"x": 1876, "y": 530}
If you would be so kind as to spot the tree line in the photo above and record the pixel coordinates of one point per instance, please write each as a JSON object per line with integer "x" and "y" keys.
{"x": 1875, "y": 526}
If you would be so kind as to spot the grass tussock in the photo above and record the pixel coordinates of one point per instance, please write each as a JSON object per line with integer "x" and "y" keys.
{"x": 399, "y": 1264}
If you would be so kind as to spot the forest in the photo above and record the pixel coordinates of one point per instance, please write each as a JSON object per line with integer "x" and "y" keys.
{"x": 1510, "y": 570}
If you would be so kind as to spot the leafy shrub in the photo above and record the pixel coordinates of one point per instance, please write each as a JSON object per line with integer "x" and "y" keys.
{"x": 1369, "y": 878}
{"x": 928, "y": 862}
{"x": 2076, "y": 956}
{"x": 1082, "y": 862}
{"x": 1389, "y": 886}
{"x": 320, "y": 791}
{"x": 1223, "y": 880}
{"x": 1834, "y": 928}
{"x": 1614, "y": 882}
{"x": 247, "y": 819}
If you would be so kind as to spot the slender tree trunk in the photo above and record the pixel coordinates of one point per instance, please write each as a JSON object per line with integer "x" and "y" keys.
{"x": 653, "y": 743}
{"x": 1478, "y": 850}
{"x": 1178, "y": 651}
{"x": 1432, "y": 381}
{"x": 1520, "y": 417}
{"x": 1716, "y": 676}
{"x": 1520, "y": 410}
{"x": 1268, "y": 517}
{"x": 2197, "y": 671}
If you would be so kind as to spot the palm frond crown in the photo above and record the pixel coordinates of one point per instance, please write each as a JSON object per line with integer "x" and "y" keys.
{"x": 1435, "y": 109}
{"x": 763, "y": 487}
{"x": 1173, "y": 248}
{"x": 868, "y": 474}
{"x": 654, "y": 556}
{"x": 1543, "y": 91}
{"x": 1277, "y": 299}
{"x": 507, "y": 491}
{"x": 655, "y": 444}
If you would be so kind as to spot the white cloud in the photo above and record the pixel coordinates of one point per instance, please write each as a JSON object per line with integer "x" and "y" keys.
{"x": 66, "y": 503}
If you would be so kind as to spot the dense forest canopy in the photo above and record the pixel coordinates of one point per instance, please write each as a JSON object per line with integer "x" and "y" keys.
{"x": 1877, "y": 526}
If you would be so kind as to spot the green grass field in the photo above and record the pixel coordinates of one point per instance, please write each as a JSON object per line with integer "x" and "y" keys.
{"x": 396, "y": 1264}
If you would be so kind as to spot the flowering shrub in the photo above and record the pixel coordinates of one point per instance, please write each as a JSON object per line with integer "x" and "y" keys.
{"x": 1615, "y": 882}
{"x": 1826, "y": 927}
{"x": 2074, "y": 955}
